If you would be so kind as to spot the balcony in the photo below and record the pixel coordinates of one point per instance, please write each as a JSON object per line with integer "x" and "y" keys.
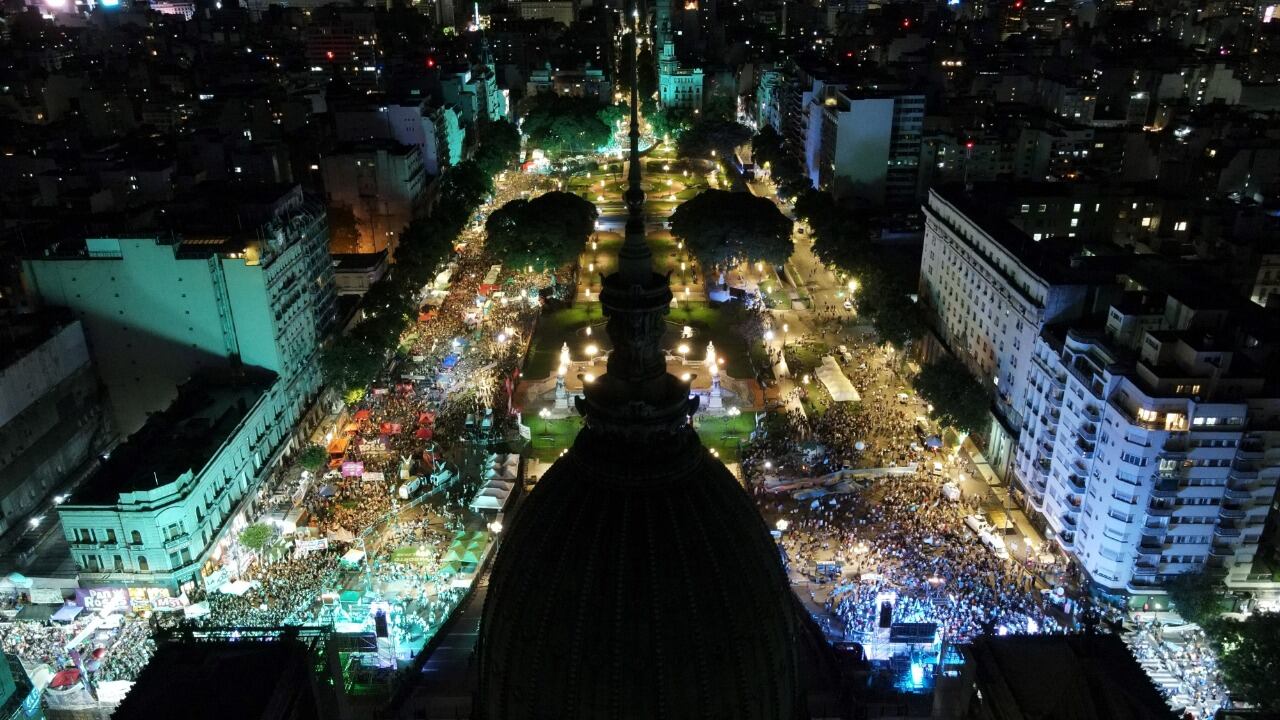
{"x": 1156, "y": 510}
{"x": 176, "y": 540}
{"x": 1227, "y": 532}
{"x": 1150, "y": 545}
{"x": 1232, "y": 511}
{"x": 1068, "y": 520}
{"x": 1145, "y": 569}
{"x": 1238, "y": 494}
{"x": 1091, "y": 413}
{"x": 1088, "y": 432}
{"x": 1221, "y": 551}
{"x": 1176, "y": 444}
{"x": 1164, "y": 489}
{"x": 1086, "y": 447}
{"x": 1077, "y": 482}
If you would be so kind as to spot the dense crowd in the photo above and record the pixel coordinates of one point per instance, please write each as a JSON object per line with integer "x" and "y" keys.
{"x": 1182, "y": 665}
{"x": 285, "y": 592}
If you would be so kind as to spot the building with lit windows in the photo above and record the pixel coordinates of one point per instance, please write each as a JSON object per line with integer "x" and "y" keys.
{"x": 162, "y": 509}
{"x": 991, "y": 289}
{"x": 865, "y": 146}
{"x": 1150, "y": 444}
{"x": 249, "y": 282}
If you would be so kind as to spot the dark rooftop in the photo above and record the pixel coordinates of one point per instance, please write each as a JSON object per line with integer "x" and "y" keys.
{"x": 353, "y": 262}
{"x": 216, "y": 680}
{"x": 20, "y": 334}
{"x": 182, "y": 437}
{"x": 1050, "y": 259}
{"x": 1064, "y": 677}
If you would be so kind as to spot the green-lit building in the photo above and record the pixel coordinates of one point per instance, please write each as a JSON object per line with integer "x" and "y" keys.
{"x": 252, "y": 286}
{"x": 159, "y": 511}
{"x": 232, "y": 310}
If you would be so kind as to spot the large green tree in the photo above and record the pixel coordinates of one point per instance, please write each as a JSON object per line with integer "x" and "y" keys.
{"x": 958, "y": 399}
{"x": 1247, "y": 652}
{"x": 721, "y": 228}
{"x": 707, "y": 135}
{"x": 499, "y": 146}
{"x": 256, "y": 536}
{"x": 559, "y": 124}
{"x": 546, "y": 232}
{"x": 313, "y": 457}
{"x": 1196, "y": 596}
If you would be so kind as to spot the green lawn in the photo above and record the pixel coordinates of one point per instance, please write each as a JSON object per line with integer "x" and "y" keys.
{"x": 554, "y": 330}
{"x": 711, "y": 322}
{"x": 550, "y": 437}
{"x": 725, "y": 434}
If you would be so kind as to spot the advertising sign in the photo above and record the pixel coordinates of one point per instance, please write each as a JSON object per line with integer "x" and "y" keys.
{"x": 103, "y": 599}
{"x": 352, "y": 469}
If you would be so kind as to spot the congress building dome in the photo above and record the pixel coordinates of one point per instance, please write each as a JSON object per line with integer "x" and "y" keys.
{"x": 638, "y": 580}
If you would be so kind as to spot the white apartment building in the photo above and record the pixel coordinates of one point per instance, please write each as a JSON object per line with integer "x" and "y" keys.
{"x": 992, "y": 289}
{"x": 865, "y": 146}
{"x": 1149, "y": 459}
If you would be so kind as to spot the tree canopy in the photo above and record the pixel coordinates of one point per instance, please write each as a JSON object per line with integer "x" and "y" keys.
{"x": 1247, "y": 650}
{"x": 1196, "y": 596}
{"x": 499, "y": 146}
{"x": 958, "y": 399}
{"x": 313, "y": 457}
{"x": 708, "y": 134}
{"x": 546, "y": 232}
{"x": 722, "y": 227}
{"x": 843, "y": 237}
{"x": 561, "y": 124}
{"x": 256, "y": 536}
{"x": 787, "y": 174}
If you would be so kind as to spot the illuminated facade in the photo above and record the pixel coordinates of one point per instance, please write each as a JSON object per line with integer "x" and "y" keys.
{"x": 159, "y": 308}
{"x": 1145, "y": 447}
{"x": 162, "y": 510}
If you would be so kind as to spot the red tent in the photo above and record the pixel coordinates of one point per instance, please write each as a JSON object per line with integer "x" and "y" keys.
{"x": 388, "y": 428}
{"x": 424, "y": 433}
{"x": 362, "y": 415}
{"x": 426, "y": 418}
{"x": 65, "y": 678}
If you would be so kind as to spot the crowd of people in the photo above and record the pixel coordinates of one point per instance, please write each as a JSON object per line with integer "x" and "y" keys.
{"x": 1182, "y": 665}
{"x": 900, "y": 536}
{"x": 284, "y": 592}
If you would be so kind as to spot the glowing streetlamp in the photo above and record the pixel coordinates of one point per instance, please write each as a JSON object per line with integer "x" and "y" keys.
{"x": 545, "y": 414}
{"x": 782, "y": 524}
{"x": 591, "y": 350}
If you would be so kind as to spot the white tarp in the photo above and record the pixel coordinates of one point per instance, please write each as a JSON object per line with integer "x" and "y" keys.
{"x": 834, "y": 380}
{"x": 236, "y": 587}
{"x": 353, "y": 557}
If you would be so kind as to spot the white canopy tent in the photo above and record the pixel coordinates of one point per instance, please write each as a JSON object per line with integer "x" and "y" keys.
{"x": 834, "y": 380}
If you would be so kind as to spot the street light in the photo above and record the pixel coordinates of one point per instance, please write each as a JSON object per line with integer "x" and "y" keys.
{"x": 591, "y": 350}
{"x": 782, "y": 524}
{"x": 495, "y": 527}
{"x": 545, "y": 414}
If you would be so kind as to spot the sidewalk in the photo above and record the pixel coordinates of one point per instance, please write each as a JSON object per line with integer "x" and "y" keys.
{"x": 1000, "y": 491}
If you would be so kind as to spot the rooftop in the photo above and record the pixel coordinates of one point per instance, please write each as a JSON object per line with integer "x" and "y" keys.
{"x": 182, "y": 437}
{"x": 1064, "y": 677}
{"x": 20, "y": 334}
{"x": 213, "y": 680}
{"x": 1055, "y": 260}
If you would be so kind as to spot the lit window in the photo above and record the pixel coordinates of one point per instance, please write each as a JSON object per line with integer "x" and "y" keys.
{"x": 1037, "y": 236}
{"x": 1180, "y": 226}
{"x": 1075, "y": 222}
{"x": 1146, "y": 222}
{"x": 1026, "y": 208}
{"x": 1145, "y": 415}
{"x": 1076, "y": 208}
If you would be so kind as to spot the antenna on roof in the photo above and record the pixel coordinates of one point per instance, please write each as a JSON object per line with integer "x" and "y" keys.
{"x": 155, "y": 477}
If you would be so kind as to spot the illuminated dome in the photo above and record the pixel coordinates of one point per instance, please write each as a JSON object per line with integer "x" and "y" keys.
{"x": 637, "y": 580}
